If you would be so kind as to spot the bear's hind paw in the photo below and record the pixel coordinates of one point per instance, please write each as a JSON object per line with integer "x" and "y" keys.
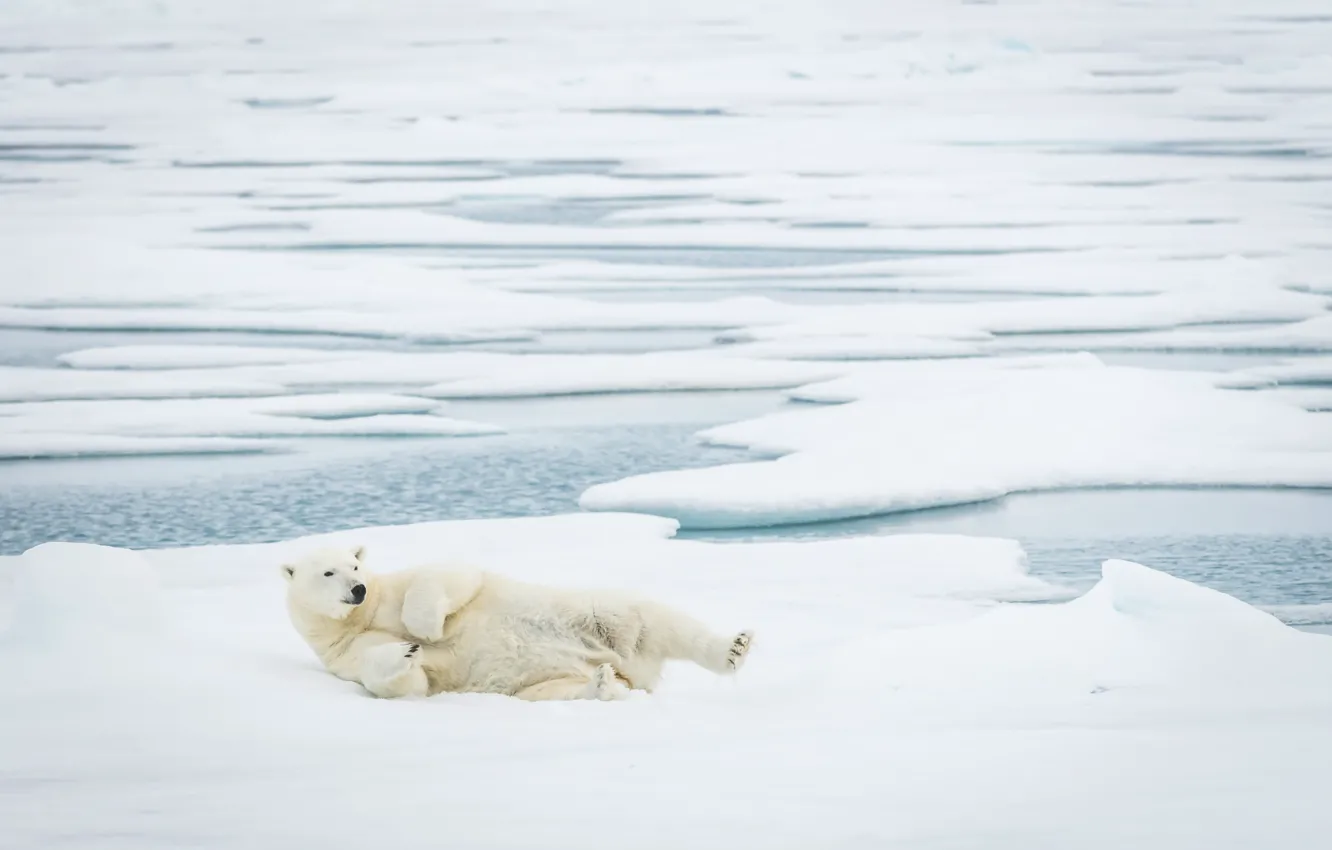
{"x": 739, "y": 651}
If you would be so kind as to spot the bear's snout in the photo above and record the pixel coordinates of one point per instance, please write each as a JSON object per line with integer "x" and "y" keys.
{"x": 358, "y": 594}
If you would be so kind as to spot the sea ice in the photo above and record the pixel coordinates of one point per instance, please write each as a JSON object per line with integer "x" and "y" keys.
{"x": 152, "y": 695}
{"x": 25, "y": 427}
{"x": 49, "y": 444}
{"x": 1310, "y": 335}
{"x": 1305, "y": 370}
{"x": 19, "y": 383}
{"x": 191, "y": 356}
{"x": 950, "y": 432}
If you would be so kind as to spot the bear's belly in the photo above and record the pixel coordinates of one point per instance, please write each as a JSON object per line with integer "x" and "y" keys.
{"x": 506, "y": 651}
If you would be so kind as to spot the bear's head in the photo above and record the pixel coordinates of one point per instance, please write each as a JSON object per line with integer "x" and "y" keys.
{"x": 329, "y": 582}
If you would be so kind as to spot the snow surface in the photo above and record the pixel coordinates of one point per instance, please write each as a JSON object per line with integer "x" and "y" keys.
{"x": 920, "y": 435}
{"x": 1318, "y": 399}
{"x": 486, "y": 176}
{"x": 1306, "y": 370}
{"x": 19, "y": 383}
{"x": 183, "y": 426}
{"x": 21, "y": 446}
{"x": 1310, "y": 335}
{"x": 189, "y": 356}
{"x": 442, "y": 374}
{"x": 892, "y": 697}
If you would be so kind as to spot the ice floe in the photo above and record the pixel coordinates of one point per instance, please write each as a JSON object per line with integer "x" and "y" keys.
{"x": 951, "y": 432}
{"x": 174, "y": 426}
{"x": 891, "y": 679}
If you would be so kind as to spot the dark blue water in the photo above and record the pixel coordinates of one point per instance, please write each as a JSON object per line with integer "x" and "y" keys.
{"x": 154, "y": 502}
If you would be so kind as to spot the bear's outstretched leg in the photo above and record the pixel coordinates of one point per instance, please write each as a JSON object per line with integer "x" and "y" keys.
{"x": 667, "y": 633}
{"x": 393, "y": 670}
{"x": 603, "y": 685}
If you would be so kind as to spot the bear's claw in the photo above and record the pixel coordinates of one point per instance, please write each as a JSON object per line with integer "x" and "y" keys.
{"x": 739, "y": 650}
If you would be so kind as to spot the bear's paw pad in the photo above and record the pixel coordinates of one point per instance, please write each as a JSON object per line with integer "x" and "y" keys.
{"x": 739, "y": 650}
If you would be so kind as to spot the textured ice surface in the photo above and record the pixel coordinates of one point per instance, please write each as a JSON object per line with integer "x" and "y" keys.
{"x": 49, "y": 444}
{"x": 1305, "y": 371}
{"x": 1266, "y": 546}
{"x": 55, "y": 428}
{"x": 30, "y": 384}
{"x": 1180, "y": 697}
{"x": 1157, "y": 167}
{"x": 189, "y": 356}
{"x": 223, "y": 418}
{"x": 1310, "y": 335}
{"x": 921, "y": 435}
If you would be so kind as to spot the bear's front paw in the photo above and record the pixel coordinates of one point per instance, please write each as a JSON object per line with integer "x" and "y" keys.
{"x": 606, "y": 685}
{"x": 388, "y": 662}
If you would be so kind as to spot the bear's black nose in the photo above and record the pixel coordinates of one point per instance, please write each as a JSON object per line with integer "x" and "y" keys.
{"x": 358, "y": 593}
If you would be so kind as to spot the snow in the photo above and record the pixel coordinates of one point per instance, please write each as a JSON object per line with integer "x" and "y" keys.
{"x": 1316, "y": 399}
{"x": 555, "y": 375}
{"x": 465, "y": 195}
{"x": 75, "y": 592}
{"x": 190, "y": 356}
{"x": 28, "y": 446}
{"x": 1310, "y": 335}
{"x": 739, "y": 319}
{"x": 1178, "y": 646}
{"x": 834, "y": 347}
{"x": 1213, "y": 304}
{"x": 32, "y": 384}
{"x": 1306, "y": 370}
{"x": 921, "y": 435}
{"x": 436, "y": 374}
{"x": 83, "y": 427}
{"x": 299, "y": 194}
{"x": 446, "y": 322}
{"x": 153, "y": 695}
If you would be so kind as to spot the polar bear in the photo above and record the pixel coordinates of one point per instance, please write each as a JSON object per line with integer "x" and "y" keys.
{"x": 432, "y": 629}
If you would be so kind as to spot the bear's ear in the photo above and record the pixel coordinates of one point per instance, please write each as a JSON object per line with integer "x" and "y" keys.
{"x": 288, "y": 572}
{"x": 358, "y": 552}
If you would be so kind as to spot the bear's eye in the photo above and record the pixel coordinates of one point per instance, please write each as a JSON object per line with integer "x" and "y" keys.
{"x": 328, "y": 574}
{"x": 354, "y": 569}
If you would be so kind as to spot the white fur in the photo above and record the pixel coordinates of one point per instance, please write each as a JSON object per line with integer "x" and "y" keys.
{"x": 431, "y": 629}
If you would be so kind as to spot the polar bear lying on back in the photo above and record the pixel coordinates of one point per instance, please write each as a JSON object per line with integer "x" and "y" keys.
{"x": 433, "y": 629}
